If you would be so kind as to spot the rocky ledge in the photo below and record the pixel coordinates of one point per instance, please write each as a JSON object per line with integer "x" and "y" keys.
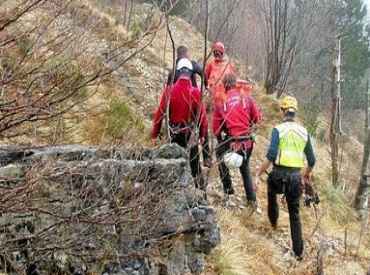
{"x": 85, "y": 210}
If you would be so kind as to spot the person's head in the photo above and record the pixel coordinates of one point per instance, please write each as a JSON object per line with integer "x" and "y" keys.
{"x": 244, "y": 86}
{"x": 289, "y": 106}
{"x": 182, "y": 52}
{"x": 229, "y": 81}
{"x": 218, "y": 50}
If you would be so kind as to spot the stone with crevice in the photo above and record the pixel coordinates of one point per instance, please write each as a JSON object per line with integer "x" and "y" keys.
{"x": 180, "y": 228}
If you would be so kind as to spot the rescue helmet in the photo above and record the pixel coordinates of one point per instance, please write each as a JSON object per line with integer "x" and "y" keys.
{"x": 233, "y": 160}
{"x": 184, "y": 63}
{"x": 218, "y": 46}
{"x": 289, "y": 103}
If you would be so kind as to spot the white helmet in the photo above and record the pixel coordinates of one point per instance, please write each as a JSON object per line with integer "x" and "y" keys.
{"x": 184, "y": 63}
{"x": 233, "y": 160}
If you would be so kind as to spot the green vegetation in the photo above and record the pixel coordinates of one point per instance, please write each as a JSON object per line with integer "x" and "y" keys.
{"x": 117, "y": 123}
{"x": 120, "y": 119}
{"x": 310, "y": 114}
{"x": 338, "y": 205}
{"x": 356, "y": 53}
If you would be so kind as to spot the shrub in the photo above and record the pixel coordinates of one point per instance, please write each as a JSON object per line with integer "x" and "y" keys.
{"x": 116, "y": 123}
{"x": 310, "y": 114}
{"x": 338, "y": 205}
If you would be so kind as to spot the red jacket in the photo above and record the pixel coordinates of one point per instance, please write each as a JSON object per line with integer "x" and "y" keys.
{"x": 237, "y": 115}
{"x": 184, "y": 106}
{"x": 214, "y": 73}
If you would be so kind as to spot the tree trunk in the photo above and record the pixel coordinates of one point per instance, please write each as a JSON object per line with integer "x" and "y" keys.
{"x": 279, "y": 53}
{"x": 333, "y": 131}
{"x": 125, "y": 8}
{"x": 130, "y": 15}
{"x": 335, "y": 125}
{"x": 362, "y": 195}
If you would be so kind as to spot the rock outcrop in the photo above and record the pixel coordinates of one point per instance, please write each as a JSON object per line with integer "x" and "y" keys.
{"x": 83, "y": 210}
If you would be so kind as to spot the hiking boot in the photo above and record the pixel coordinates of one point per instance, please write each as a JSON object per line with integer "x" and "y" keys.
{"x": 230, "y": 191}
{"x": 227, "y": 202}
{"x": 299, "y": 258}
{"x": 253, "y": 206}
{"x": 258, "y": 210}
{"x": 274, "y": 226}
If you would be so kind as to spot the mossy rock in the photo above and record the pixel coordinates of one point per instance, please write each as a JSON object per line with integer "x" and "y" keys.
{"x": 11, "y": 171}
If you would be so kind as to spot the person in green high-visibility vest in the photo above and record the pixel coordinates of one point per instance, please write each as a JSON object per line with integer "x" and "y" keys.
{"x": 289, "y": 148}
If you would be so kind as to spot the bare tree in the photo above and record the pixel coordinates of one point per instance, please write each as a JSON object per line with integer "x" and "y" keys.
{"x": 361, "y": 202}
{"x": 47, "y": 67}
{"x": 279, "y": 48}
{"x": 287, "y": 24}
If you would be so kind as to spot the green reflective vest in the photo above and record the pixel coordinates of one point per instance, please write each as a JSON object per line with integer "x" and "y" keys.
{"x": 292, "y": 141}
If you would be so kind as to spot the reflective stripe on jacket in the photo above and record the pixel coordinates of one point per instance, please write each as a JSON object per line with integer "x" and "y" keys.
{"x": 292, "y": 142}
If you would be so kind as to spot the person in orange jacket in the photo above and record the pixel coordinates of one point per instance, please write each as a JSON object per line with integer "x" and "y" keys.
{"x": 215, "y": 71}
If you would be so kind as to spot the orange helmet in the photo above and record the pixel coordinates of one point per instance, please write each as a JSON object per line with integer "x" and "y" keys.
{"x": 218, "y": 46}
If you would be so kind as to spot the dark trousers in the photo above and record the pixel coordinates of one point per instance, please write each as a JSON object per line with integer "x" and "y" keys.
{"x": 222, "y": 148}
{"x": 286, "y": 181}
{"x": 205, "y": 149}
{"x": 182, "y": 139}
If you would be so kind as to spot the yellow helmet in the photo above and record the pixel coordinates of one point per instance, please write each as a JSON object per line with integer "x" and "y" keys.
{"x": 289, "y": 102}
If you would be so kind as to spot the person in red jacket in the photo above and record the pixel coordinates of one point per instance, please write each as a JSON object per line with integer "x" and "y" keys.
{"x": 215, "y": 70}
{"x": 186, "y": 112}
{"x": 238, "y": 117}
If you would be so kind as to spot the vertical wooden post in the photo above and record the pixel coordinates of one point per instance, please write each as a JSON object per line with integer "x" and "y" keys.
{"x": 339, "y": 86}
{"x": 335, "y": 125}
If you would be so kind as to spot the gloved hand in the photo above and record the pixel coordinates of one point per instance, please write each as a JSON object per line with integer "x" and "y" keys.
{"x": 154, "y": 141}
{"x": 207, "y": 163}
{"x": 253, "y": 137}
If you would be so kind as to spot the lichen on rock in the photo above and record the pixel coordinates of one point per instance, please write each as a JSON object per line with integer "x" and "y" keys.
{"x": 75, "y": 209}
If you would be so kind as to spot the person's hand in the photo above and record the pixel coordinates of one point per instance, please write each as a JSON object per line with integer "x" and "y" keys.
{"x": 207, "y": 163}
{"x": 202, "y": 140}
{"x": 154, "y": 141}
{"x": 256, "y": 183}
{"x": 307, "y": 176}
{"x": 306, "y": 179}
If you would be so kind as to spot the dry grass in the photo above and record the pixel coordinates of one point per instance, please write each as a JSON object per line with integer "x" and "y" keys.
{"x": 239, "y": 252}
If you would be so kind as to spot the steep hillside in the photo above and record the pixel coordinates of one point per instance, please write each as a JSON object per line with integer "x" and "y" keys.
{"x": 119, "y": 111}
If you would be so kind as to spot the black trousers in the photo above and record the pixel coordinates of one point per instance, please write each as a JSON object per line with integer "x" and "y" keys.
{"x": 222, "y": 148}
{"x": 182, "y": 139}
{"x": 286, "y": 181}
{"x": 205, "y": 149}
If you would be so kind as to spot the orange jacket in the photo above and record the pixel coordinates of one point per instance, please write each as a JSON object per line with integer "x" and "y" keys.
{"x": 214, "y": 72}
